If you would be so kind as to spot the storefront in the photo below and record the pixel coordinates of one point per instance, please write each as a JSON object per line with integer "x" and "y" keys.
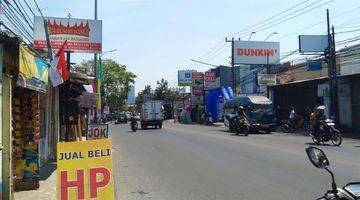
{"x": 24, "y": 87}
{"x": 77, "y": 101}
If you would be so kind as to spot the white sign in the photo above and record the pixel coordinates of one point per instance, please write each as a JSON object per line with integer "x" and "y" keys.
{"x": 313, "y": 43}
{"x": 185, "y": 77}
{"x": 97, "y": 131}
{"x": 266, "y": 79}
{"x": 82, "y": 35}
{"x": 256, "y": 52}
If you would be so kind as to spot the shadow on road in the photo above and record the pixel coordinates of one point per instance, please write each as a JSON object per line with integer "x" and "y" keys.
{"x": 321, "y": 144}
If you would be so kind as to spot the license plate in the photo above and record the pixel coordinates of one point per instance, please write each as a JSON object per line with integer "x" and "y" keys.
{"x": 266, "y": 125}
{"x": 331, "y": 124}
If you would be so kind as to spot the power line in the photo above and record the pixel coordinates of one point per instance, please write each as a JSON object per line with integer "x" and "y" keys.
{"x": 27, "y": 5}
{"x": 292, "y": 17}
{"x": 23, "y": 15}
{"x": 265, "y": 20}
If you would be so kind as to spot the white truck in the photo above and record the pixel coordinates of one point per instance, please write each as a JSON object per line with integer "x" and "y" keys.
{"x": 151, "y": 114}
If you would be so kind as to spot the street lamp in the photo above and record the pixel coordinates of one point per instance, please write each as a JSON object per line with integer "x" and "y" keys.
{"x": 113, "y": 50}
{"x": 252, "y": 33}
{"x": 273, "y": 33}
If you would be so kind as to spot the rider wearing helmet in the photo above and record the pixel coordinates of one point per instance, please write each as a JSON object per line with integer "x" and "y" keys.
{"x": 316, "y": 117}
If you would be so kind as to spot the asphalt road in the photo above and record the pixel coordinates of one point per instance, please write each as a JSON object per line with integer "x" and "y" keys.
{"x": 200, "y": 162}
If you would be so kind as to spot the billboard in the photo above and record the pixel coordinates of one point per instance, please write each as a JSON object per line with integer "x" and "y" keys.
{"x": 197, "y": 83}
{"x": 266, "y": 79}
{"x": 184, "y": 77}
{"x": 313, "y": 43}
{"x": 82, "y": 35}
{"x": 210, "y": 80}
{"x": 84, "y": 170}
{"x": 256, "y": 52}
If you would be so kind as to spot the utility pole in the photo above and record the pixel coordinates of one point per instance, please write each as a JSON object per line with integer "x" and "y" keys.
{"x": 95, "y": 66}
{"x": 330, "y": 55}
{"x": 232, "y": 64}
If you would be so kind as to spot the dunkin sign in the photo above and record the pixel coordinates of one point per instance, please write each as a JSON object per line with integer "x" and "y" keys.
{"x": 256, "y": 52}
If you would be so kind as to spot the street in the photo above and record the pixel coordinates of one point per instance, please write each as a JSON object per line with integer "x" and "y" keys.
{"x": 203, "y": 162}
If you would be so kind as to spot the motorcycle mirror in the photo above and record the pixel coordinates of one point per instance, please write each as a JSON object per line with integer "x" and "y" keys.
{"x": 317, "y": 157}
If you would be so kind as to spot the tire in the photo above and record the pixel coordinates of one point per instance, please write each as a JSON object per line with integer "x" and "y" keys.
{"x": 268, "y": 131}
{"x": 246, "y": 131}
{"x": 145, "y": 127}
{"x": 336, "y": 138}
{"x": 285, "y": 128}
{"x": 160, "y": 126}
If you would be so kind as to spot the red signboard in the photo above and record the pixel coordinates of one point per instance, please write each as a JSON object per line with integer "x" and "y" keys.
{"x": 210, "y": 77}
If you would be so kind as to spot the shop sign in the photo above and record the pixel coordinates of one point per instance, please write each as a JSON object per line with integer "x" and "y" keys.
{"x": 313, "y": 43}
{"x": 184, "y": 77}
{"x": 82, "y": 35}
{"x": 84, "y": 170}
{"x": 197, "y": 83}
{"x": 210, "y": 80}
{"x": 266, "y": 79}
{"x": 256, "y": 52}
{"x": 97, "y": 131}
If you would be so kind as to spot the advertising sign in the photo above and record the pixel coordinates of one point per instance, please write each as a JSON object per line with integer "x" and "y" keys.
{"x": 315, "y": 65}
{"x": 266, "y": 79}
{"x": 197, "y": 83}
{"x": 97, "y": 131}
{"x": 82, "y": 35}
{"x": 210, "y": 80}
{"x": 184, "y": 77}
{"x": 256, "y": 52}
{"x": 313, "y": 43}
{"x": 84, "y": 170}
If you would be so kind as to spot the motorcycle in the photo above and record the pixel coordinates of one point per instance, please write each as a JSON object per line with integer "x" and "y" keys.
{"x": 240, "y": 125}
{"x": 328, "y": 132}
{"x": 134, "y": 126}
{"x": 351, "y": 191}
{"x": 287, "y": 126}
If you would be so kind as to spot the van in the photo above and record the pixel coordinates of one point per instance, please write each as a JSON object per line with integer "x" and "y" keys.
{"x": 259, "y": 109}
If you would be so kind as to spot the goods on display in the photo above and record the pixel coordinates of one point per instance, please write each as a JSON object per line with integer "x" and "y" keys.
{"x": 26, "y": 135}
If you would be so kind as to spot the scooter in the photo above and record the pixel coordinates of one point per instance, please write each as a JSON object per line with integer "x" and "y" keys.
{"x": 328, "y": 133}
{"x": 349, "y": 192}
{"x": 241, "y": 125}
{"x": 134, "y": 126}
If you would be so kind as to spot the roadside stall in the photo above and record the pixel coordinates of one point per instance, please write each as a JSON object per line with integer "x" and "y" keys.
{"x": 78, "y": 102}
{"x": 28, "y": 118}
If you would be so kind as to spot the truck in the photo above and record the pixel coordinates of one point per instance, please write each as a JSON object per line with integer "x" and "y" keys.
{"x": 151, "y": 114}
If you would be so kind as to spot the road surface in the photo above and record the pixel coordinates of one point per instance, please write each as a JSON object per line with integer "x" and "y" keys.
{"x": 189, "y": 162}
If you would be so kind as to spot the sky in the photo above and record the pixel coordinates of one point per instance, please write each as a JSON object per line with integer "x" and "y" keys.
{"x": 156, "y": 38}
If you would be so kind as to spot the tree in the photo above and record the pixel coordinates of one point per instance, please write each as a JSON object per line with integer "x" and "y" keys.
{"x": 162, "y": 90}
{"x": 140, "y": 97}
{"x": 117, "y": 82}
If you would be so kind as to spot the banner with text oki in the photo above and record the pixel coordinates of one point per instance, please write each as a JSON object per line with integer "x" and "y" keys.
{"x": 97, "y": 131}
{"x": 84, "y": 170}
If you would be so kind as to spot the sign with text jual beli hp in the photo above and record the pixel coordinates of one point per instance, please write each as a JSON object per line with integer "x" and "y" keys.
{"x": 85, "y": 170}
{"x": 97, "y": 131}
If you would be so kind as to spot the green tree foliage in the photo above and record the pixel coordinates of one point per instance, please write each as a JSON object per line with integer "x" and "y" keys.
{"x": 117, "y": 82}
{"x": 140, "y": 96}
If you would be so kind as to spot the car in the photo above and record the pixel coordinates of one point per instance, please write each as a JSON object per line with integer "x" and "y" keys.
{"x": 122, "y": 118}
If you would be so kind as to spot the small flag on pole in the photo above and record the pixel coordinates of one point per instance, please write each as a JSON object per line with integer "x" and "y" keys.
{"x": 58, "y": 71}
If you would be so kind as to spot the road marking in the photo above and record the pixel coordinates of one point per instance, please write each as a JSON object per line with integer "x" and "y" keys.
{"x": 264, "y": 146}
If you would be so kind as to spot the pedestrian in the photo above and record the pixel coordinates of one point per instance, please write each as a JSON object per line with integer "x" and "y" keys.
{"x": 292, "y": 117}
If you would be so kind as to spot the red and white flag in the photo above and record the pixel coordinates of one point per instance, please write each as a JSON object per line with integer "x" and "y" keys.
{"x": 58, "y": 71}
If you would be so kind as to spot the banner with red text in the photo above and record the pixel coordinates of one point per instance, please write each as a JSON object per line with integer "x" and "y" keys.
{"x": 82, "y": 35}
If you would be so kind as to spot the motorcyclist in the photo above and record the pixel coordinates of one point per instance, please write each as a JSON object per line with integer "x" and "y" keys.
{"x": 315, "y": 118}
{"x": 241, "y": 112}
{"x": 133, "y": 118}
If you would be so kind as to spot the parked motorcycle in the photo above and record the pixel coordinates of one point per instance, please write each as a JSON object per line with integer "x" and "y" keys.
{"x": 240, "y": 125}
{"x": 288, "y": 127}
{"x": 134, "y": 126}
{"x": 328, "y": 132}
{"x": 349, "y": 192}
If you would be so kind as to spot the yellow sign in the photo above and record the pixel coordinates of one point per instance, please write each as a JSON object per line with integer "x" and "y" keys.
{"x": 85, "y": 170}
